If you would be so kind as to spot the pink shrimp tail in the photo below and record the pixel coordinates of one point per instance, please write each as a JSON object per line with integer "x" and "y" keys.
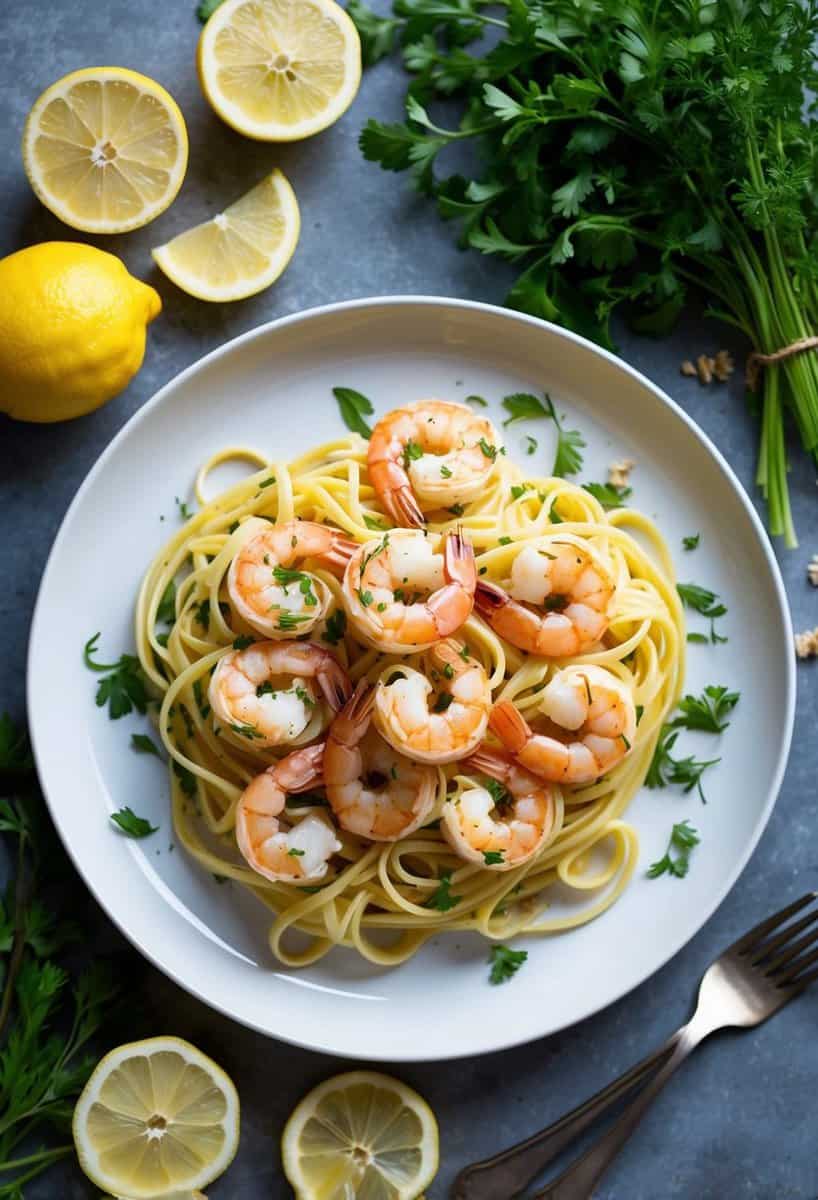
{"x": 510, "y": 726}
{"x": 352, "y": 722}
{"x": 340, "y": 553}
{"x": 334, "y": 682}
{"x": 301, "y": 770}
{"x": 489, "y": 761}
{"x": 458, "y": 562}
{"x": 403, "y": 508}
{"x": 489, "y": 599}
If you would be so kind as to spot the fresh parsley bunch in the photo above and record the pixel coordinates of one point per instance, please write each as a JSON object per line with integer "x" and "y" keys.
{"x": 627, "y": 153}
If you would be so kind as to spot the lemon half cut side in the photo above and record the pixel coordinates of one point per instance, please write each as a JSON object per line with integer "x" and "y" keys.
{"x": 156, "y": 1118}
{"x": 360, "y": 1134}
{"x": 105, "y": 149}
{"x": 279, "y": 70}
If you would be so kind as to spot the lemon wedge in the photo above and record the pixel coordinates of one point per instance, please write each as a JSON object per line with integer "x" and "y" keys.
{"x": 156, "y": 1118}
{"x": 360, "y": 1134}
{"x": 279, "y": 70}
{"x": 239, "y": 252}
{"x": 105, "y": 149}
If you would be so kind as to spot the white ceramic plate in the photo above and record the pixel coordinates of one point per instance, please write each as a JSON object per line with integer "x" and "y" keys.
{"x": 271, "y": 388}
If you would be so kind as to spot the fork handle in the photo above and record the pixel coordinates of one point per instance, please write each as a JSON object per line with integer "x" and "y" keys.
{"x": 578, "y": 1181}
{"x": 507, "y": 1173}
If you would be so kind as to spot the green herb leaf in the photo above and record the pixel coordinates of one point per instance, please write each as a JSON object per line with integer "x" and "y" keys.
{"x": 676, "y": 860}
{"x": 523, "y": 406}
{"x": 378, "y": 34}
{"x": 691, "y": 542}
{"x": 124, "y": 687}
{"x": 664, "y": 769}
{"x": 703, "y": 601}
{"x": 531, "y": 444}
{"x": 242, "y": 641}
{"x": 505, "y": 963}
{"x": 607, "y": 494}
{"x": 336, "y": 627}
{"x": 144, "y": 745}
{"x": 131, "y": 824}
{"x": 478, "y": 401}
{"x": 708, "y": 711}
{"x": 206, "y": 8}
{"x": 442, "y": 898}
{"x": 166, "y": 611}
{"x": 354, "y": 407}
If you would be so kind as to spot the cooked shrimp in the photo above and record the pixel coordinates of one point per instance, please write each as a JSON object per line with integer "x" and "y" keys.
{"x": 268, "y": 589}
{"x": 566, "y": 578}
{"x": 298, "y": 854}
{"x": 429, "y": 455}
{"x": 591, "y": 726}
{"x": 373, "y": 792}
{"x": 509, "y": 831}
{"x": 267, "y": 692}
{"x": 438, "y": 719}
{"x": 403, "y": 595}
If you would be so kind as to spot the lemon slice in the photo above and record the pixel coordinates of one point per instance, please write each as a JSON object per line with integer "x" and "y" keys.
{"x": 279, "y": 70}
{"x": 105, "y": 149}
{"x": 242, "y": 250}
{"x": 156, "y": 1118}
{"x": 360, "y": 1134}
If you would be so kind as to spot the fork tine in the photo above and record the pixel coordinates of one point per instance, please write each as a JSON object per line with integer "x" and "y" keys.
{"x": 790, "y": 951}
{"x": 751, "y": 939}
{"x": 793, "y": 975}
{"x": 773, "y": 944}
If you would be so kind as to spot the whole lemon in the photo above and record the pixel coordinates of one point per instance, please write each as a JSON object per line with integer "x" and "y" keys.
{"x": 73, "y": 330}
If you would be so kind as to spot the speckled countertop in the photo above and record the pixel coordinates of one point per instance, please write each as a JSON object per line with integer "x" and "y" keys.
{"x": 740, "y": 1120}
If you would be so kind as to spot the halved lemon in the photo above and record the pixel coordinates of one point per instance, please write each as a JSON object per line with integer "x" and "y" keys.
{"x": 156, "y": 1118}
{"x": 105, "y": 149}
{"x": 242, "y": 250}
{"x": 360, "y": 1134}
{"x": 279, "y": 70}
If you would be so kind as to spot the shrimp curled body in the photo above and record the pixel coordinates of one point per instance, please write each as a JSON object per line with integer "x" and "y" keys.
{"x": 401, "y": 595}
{"x": 499, "y": 839}
{"x": 590, "y": 726}
{"x": 267, "y": 693}
{"x": 558, "y": 602}
{"x": 430, "y": 455}
{"x": 300, "y": 853}
{"x": 455, "y": 721}
{"x": 270, "y": 591}
{"x": 372, "y": 791}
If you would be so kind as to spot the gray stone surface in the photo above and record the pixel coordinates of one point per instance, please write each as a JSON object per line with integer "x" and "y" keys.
{"x": 740, "y": 1121}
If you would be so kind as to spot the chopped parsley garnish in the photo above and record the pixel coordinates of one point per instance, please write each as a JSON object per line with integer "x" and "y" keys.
{"x": 187, "y": 780}
{"x": 124, "y": 686}
{"x": 411, "y": 452}
{"x": 288, "y": 621}
{"x": 144, "y": 745}
{"x": 493, "y": 858}
{"x": 665, "y": 769}
{"x": 488, "y": 451}
{"x": 246, "y": 731}
{"x": 365, "y": 597}
{"x": 265, "y": 483}
{"x": 184, "y": 511}
{"x": 522, "y": 406}
{"x": 443, "y": 701}
{"x": 336, "y": 627}
{"x": 188, "y": 720}
{"x": 456, "y": 510}
{"x": 505, "y": 963}
{"x": 640, "y": 709}
{"x": 706, "y": 712}
{"x": 531, "y": 444}
{"x": 553, "y": 516}
{"x": 497, "y": 792}
{"x": 676, "y": 861}
{"x": 306, "y": 800}
{"x": 131, "y": 824}
{"x": 442, "y": 898}
{"x": 166, "y": 611}
{"x": 448, "y": 670}
{"x": 372, "y": 523}
{"x": 295, "y": 853}
{"x": 504, "y": 541}
{"x": 242, "y": 641}
{"x": 608, "y": 494}
{"x": 703, "y": 601}
{"x": 199, "y": 697}
{"x": 478, "y": 400}
{"x": 519, "y": 489}
{"x": 445, "y": 472}
{"x": 303, "y": 695}
{"x": 232, "y": 527}
{"x": 691, "y": 542}
{"x": 354, "y": 407}
{"x": 202, "y": 614}
{"x": 555, "y": 603}
{"x": 464, "y": 653}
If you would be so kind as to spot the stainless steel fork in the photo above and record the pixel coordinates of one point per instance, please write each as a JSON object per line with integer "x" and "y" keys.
{"x": 748, "y": 983}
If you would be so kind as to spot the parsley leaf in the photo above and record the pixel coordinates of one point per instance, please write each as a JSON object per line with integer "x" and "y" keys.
{"x": 706, "y": 712}
{"x": 144, "y": 745}
{"x": 242, "y": 640}
{"x": 206, "y": 8}
{"x": 166, "y": 610}
{"x": 131, "y": 824}
{"x": 478, "y": 401}
{"x": 124, "y": 686}
{"x": 665, "y": 769}
{"x": 608, "y": 494}
{"x": 531, "y": 444}
{"x": 676, "y": 860}
{"x": 505, "y": 963}
{"x": 336, "y": 627}
{"x": 493, "y": 858}
{"x": 703, "y": 601}
{"x": 354, "y": 407}
{"x": 442, "y": 898}
{"x": 523, "y": 406}
{"x": 378, "y": 34}
{"x": 411, "y": 452}
{"x": 691, "y": 542}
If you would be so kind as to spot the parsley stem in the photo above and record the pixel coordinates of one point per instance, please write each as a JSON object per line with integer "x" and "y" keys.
{"x": 16, "y": 960}
{"x": 43, "y": 1157}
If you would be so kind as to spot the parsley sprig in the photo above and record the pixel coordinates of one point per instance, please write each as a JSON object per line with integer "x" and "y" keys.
{"x": 124, "y": 686}
{"x": 354, "y": 407}
{"x": 703, "y": 601}
{"x": 505, "y": 963}
{"x": 442, "y": 898}
{"x": 523, "y": 406}
{"x": 676, "y": 859}
{"x": 706, "y": 714}
{"x": 623, "y": 156}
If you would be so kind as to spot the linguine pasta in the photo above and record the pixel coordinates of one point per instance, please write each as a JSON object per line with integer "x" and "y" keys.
{"x": 376, "y": 895}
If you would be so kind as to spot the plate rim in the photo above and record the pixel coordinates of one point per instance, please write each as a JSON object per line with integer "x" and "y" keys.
{"x": 399, "y": 1054}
